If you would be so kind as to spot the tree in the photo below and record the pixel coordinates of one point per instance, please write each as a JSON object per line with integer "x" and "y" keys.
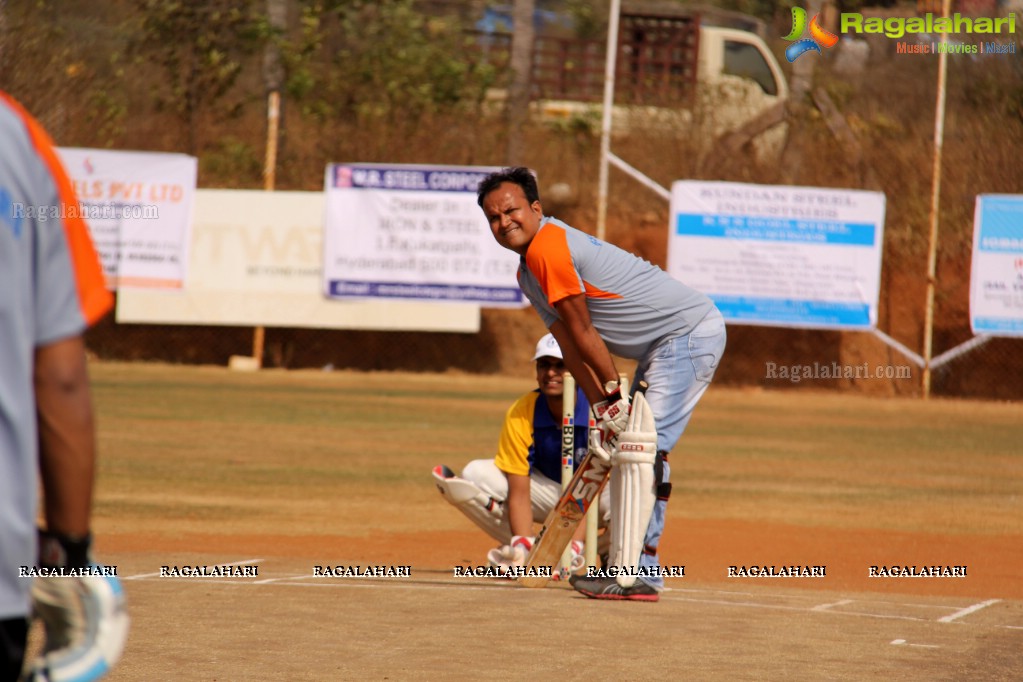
{"x": 522, "y": 67}
{"x": 200, "y": 47}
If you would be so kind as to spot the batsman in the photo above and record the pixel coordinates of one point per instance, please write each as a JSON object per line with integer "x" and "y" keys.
{"x": 598, "y": 300}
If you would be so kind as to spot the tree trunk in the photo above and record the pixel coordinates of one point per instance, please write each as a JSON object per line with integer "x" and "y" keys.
{"x": 518, "y": 92}
{"x": 3, "y": 41}
{"x": 802, "y": 84}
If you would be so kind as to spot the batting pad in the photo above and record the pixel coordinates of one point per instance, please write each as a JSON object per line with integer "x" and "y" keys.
{"x": 468, "y": 498}
{"x": 633, "y": 490}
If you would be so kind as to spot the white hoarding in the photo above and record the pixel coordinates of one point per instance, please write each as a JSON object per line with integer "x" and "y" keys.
{"x": 781, "y": 256}
{"x": 996, "y": 276}
{"x": 138, "y": 206}
{"x": 256, "y": 261}
{"x": 413, "y": 232}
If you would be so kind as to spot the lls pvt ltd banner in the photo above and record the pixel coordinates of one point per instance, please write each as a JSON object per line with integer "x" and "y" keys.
{"x": 138, "y": 206}
{"x": 996, "y": 278}
{"x": 782, "y": 256}
{"x": 413, "y": 232}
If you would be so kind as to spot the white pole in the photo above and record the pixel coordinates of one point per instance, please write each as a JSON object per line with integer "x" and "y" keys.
{"x": 932, "y": 253}
{"x": 610, "y": 64}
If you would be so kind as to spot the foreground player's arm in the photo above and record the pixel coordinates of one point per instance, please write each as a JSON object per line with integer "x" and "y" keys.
{"x": 520, "y": 510}
{"x": 67, "y": 448}
{"x": 587, "y": 351}
{"x": 586, "y": 355}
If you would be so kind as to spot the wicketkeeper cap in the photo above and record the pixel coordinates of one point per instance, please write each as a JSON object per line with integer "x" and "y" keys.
{"x": 548, "y": 347}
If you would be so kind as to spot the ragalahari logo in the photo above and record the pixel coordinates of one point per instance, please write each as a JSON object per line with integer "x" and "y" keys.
{"x": 819, "y": 37}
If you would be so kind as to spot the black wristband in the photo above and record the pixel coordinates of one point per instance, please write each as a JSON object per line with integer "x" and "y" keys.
{"x": 63, "y": 551}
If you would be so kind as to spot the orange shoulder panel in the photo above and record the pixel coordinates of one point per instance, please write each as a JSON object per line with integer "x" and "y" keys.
{"x": 93, "y": 297}
{"x": 550, "y": 261}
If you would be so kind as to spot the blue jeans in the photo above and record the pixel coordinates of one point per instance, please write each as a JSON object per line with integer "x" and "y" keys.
{"x": 678, "y": 372}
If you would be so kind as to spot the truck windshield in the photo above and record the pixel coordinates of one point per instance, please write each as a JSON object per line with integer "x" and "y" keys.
{"x": 743, "y": 59}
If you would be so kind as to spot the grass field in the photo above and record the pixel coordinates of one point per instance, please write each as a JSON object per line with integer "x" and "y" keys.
{"x": 203, "y": 465}
{"x": 183, "y": 443}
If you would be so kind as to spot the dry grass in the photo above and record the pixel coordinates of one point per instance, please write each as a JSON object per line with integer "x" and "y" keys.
{"x": 202, "y": 448}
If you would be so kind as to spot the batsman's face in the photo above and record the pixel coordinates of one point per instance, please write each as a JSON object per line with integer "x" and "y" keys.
{"x": 513, "y": 220}
{"x": 550, "y": 376}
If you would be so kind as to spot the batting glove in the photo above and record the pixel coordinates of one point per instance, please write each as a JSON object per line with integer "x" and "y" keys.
{"x": 612, "y": 412}
{"x": 599, "y": 446}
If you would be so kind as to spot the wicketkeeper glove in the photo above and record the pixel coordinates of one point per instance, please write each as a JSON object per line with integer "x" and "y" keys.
{"x": 511, "y": 555}
{"x": 577, "y": 561}
{"x": 85, "y": 617}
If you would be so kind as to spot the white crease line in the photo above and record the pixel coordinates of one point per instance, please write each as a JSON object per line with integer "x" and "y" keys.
{"x": 801, "y": 609}
{"x": 825, "y": 607}
{"x": 326, "y": 581}
{"x": 902, "y": 642}
{"x": 794, "y": 597}
{"x": 157, "y": 574}
{"x": 968, "y": 610}
{"x": 380, "y": 582}
{"x": 410, "y": 585}
{"x": 305, "y": 576}
{"x": 772, "y": 595}
{"x": 918, "y": 606}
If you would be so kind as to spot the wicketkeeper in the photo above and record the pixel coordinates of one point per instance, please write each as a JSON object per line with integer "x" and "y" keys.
{"x": 597, "y": 299}
{"x": 51, "y": 289}
{"x": 505, "y": 495}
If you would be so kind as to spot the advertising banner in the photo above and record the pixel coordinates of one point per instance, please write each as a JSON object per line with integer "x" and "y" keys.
{"x": 256, "y": 260}
{"x": 780, "y": 256}
{"x": 413, "y": 232}
{"x": 996, "y": 276}
{"x": 138, "y": 206}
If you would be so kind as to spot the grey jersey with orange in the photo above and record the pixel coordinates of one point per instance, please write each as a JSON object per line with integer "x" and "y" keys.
{"x": 41, "y": 302}
{"x": 633, "y": 304}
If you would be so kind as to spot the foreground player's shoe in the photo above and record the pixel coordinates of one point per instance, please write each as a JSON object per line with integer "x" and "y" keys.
{"x": 608, "y": 588}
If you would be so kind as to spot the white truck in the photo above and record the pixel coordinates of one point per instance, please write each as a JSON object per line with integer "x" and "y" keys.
{"x": 676, "y": 74}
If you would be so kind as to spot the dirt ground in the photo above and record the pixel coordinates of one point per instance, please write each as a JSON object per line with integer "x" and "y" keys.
{"x": 287, "y": 624}
{"x": 202, "y": 467}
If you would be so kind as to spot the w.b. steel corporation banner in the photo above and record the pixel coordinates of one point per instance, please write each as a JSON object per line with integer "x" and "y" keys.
{"x": 413, "y": 232}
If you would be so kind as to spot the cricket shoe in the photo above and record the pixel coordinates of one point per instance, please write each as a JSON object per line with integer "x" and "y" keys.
{"x": 608, "y": 588}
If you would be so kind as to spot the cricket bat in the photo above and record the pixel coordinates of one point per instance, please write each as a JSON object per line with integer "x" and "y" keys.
{"x": 561, "y": 523}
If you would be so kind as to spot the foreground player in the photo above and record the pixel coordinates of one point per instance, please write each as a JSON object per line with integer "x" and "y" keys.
{"x": 505, "y": 495}
{"x": 598, "y": 299}
{"x": 51, "y": 288}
